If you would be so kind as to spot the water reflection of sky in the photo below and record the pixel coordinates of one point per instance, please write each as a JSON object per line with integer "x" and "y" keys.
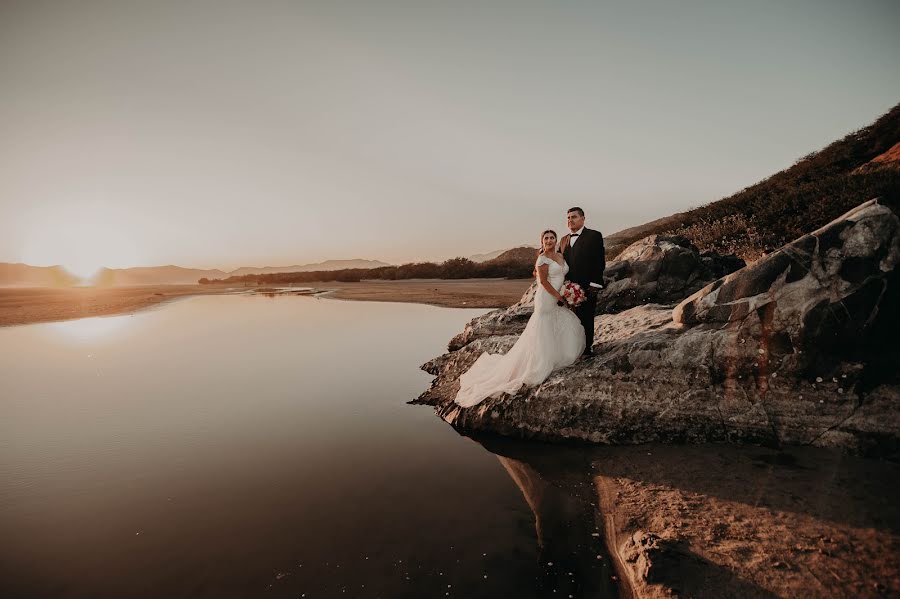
{"x": 240, "y": 445}
{"x": 86, "y": 330}
{"x": 229, "y": 446}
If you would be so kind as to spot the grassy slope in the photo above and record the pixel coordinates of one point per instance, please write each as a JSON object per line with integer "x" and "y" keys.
{"x": 815, "y": 190}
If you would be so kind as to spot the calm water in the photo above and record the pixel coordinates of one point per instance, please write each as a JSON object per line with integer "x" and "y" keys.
{"x": 245, "y": 446}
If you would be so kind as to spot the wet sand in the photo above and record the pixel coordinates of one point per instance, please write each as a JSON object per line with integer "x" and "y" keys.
{"x": 45, "y": 304}
{"x": 30, "y": 305}
{"x": 462, "y": 293}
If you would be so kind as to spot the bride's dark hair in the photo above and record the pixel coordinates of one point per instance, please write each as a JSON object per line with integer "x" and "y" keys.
{"x": 542, "y": 239}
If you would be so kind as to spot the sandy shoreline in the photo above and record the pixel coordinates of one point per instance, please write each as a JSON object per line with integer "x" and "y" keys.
{"x": 462, "y": 293}
{"x": 39, "y": 304}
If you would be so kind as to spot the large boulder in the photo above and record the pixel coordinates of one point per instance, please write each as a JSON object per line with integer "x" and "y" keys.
{"x": 798, "y": 348}
{"x": 659, "y": 269}
{"x": 829, "y": 297}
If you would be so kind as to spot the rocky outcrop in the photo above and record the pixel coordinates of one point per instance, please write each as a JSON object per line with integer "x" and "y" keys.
{"x": 828, "y": 298}
{"x": 659, "y": 269}
{"x": 798, "y": 348}
{"x": 887, "y": 160}
{"x": 653, "y": 560}
{"x": 508, "y": 321}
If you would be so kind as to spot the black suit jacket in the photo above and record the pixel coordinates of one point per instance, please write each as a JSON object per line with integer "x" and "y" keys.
{"x": 586, "y": 259}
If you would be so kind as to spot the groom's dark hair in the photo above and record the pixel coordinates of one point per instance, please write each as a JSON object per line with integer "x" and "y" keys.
{"x": 576, "y": 209}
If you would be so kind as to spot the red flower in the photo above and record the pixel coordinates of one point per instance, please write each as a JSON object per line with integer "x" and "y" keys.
{"x": 573, "y": 294}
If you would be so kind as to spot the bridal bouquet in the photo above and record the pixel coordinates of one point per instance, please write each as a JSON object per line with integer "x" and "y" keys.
{"x": 573, "y": 294}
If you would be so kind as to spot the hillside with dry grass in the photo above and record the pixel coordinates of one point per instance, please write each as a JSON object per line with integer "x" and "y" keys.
{"x": 812, "y": 192}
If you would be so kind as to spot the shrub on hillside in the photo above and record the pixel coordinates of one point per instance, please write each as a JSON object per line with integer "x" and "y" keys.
{"x": 814, "y": 191}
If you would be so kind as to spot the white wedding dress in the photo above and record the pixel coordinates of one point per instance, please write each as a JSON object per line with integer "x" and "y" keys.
{"x": 552, "y": 339}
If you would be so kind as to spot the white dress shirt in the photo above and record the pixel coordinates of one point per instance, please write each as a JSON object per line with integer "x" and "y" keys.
{"x": 572, "y": 241}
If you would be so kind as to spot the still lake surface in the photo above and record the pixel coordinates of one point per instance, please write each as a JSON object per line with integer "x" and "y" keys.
{"x": 250, "y": 446}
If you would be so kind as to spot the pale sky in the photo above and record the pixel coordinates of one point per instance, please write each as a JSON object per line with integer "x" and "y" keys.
{"x": 219, "y": 134}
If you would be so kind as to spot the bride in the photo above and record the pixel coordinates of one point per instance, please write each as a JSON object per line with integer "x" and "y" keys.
{"x": 552, "y": 339}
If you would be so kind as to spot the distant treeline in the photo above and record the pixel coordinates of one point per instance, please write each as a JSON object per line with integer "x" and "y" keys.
{"x": 454, "y": 268}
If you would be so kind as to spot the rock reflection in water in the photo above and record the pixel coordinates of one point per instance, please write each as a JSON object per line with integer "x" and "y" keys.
{"x": 709, "y": 521}
{"x": 569, "y": 525}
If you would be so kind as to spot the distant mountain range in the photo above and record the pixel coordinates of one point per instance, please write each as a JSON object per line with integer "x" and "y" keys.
{"x": 25, "y": 275}
{"x": 521, "y": 255}
{"x": 152, "y": 275}
{"x": 327, "y": 265}
{"x": 497, "y": 253}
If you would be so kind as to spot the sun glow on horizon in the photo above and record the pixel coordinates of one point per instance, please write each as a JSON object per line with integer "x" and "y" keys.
{"x": 85, "y": 271}
{"x": 83, "y": 238}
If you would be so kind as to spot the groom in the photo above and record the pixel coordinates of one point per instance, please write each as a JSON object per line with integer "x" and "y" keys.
{"x": 584, "y": 252}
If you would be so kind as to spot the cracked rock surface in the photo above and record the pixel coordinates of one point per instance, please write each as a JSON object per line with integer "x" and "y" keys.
{"x": 799, "y": 347}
